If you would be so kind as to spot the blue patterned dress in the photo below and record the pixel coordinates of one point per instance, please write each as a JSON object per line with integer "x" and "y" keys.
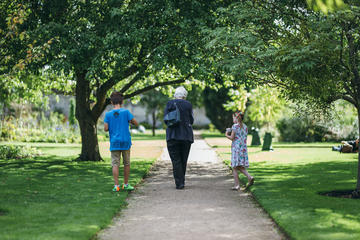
{"x": 239, "y": 153}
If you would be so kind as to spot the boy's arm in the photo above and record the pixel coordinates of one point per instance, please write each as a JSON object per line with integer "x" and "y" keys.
{"x": 106, "y": 127}
{"x": 134, "y": 122}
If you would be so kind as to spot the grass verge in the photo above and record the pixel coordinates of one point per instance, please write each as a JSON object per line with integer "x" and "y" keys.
{"x": 288, "y": 182}
{"x": 160, "y": 134}
{"x": 52, "y": 197}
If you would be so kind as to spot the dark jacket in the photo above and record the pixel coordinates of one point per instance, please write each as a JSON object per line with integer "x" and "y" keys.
{"x": 183, "y": 131}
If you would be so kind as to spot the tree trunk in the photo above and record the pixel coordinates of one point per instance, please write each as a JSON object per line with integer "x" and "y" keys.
{"x": 358, "y": 177}
{"x": 153, "y": 122}
{"x": 90, "y": 146}
{"x": 87, "y": 120}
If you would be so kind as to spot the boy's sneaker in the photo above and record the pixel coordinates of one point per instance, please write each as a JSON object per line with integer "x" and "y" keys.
{"x": 127, "y": 187}
{"x": 116, "y": 189}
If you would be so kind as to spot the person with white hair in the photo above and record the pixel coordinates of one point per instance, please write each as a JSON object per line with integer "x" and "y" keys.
{"x": 179, "y": 137}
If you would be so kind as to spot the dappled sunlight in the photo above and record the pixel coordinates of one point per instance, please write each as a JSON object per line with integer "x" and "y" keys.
{"x": 53, "y": 194}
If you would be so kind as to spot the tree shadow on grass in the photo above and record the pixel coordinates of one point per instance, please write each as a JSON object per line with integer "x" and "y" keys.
{"x": 53, "y": 165}
{"x": 290, "y": 193}
{"x": 45, "y": 194}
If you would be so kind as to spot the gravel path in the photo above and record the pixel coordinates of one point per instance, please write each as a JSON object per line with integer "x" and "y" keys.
{"x": 205, "y": 209}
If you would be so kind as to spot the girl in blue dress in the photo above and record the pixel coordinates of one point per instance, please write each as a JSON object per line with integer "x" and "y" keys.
{"x": 239, "y": 154}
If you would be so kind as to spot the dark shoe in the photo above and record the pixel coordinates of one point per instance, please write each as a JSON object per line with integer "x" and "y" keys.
{"x": 180, "y": 187}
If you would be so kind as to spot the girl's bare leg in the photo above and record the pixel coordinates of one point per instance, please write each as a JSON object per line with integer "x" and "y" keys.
{"x": 236, "y": 178}
{"x": 243, "y": 171}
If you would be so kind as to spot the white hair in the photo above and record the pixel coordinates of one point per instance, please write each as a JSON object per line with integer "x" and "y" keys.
{"x": 180, "y": 92}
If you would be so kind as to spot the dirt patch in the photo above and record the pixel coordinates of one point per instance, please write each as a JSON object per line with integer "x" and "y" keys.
{"x": 342, "y": 194}
{"x": 148, "y": 149}
{"x": 214, "y": 142}
{"x": 221, "y": 142}
{"x": 223, "y": 150}
{"x": 139, "y": 149}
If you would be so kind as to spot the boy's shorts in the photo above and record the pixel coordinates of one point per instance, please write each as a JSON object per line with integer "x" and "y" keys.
{"x": 116, "y": 155}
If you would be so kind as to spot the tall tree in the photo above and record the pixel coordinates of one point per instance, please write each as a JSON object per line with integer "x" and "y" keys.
{"x": 214, "y": 101}
{"x": 112, "y": 44}
{"x": 310, "y": 56}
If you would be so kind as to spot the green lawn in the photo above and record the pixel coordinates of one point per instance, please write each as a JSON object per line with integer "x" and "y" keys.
{"x": 52, "y": 197}
{"x": 159, "y": 135}
{"x": 288, "y": 182}
{"x": 211, "y": 134}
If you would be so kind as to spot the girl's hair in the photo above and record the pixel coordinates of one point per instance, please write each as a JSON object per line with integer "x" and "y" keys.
{"x": 239, "y": 115}
{"x": 116, "y": 98}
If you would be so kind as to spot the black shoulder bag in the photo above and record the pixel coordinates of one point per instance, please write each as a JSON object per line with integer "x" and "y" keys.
{"x": 172, "y": 118}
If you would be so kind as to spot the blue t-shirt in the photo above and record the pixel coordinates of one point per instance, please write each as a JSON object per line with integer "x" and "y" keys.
{"x": 118, "y": 121}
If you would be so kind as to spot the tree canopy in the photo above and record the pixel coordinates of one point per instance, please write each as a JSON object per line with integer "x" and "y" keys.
{"x": 130, "y": 46}
{"x": 311, "y": 57}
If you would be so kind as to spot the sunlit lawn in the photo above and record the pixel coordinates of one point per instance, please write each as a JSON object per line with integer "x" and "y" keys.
{"x": 160, "y": 134}
{"x": 53, "y": 197}
{"x": 288, "y": 183}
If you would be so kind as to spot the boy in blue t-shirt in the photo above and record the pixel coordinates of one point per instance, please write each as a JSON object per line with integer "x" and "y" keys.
{"x": 117, "y": 123}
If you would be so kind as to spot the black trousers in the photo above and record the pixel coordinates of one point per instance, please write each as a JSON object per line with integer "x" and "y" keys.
{"x": 179, "y": 153}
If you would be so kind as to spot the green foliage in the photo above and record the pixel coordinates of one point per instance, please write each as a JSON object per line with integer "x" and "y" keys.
{"x": 265, "y": 106}
{"x": 114, "y": 44}
{"x": 16, "y": 152}
{"x": 239, "y": 99}
{"x": 326, "y": 5}
{"x": 31, "y": 129}
{"x": 212, "y": 127}
{"x": 341, "y": 124}
{"x": 304, "y": 53}
{"x": 214, "y": 101}
{"x": 154, "y": 102}
{"x": 131, "y": 47}
{"x": 302, "y": 130}
{"x": 313, "y": 58}
{"x": 343, "y": 121}
{"x": 72, "y": 120}
{"x": 146, "y": 125}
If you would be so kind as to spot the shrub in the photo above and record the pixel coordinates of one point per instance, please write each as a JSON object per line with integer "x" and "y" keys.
{"x": 200, "y": 127}
{"x": 146, "y": 125}
{"x": 52, "y": 129}
{"x": 11, "y": 152}
{"x": 301, "y": 130}
{"x": 214, "y": 101}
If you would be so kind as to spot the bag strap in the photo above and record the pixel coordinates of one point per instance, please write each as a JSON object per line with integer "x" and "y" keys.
{"x": 176, "y": 106}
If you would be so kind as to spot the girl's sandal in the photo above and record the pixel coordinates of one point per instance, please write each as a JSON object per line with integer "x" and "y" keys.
{"x": 251, "y": 182}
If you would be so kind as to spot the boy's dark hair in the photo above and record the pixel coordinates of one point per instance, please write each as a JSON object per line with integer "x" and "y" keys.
{"x": 116, "y": 98}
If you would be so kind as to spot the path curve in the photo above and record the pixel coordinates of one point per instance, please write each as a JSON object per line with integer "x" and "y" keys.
{"x": 205, "y": 209}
